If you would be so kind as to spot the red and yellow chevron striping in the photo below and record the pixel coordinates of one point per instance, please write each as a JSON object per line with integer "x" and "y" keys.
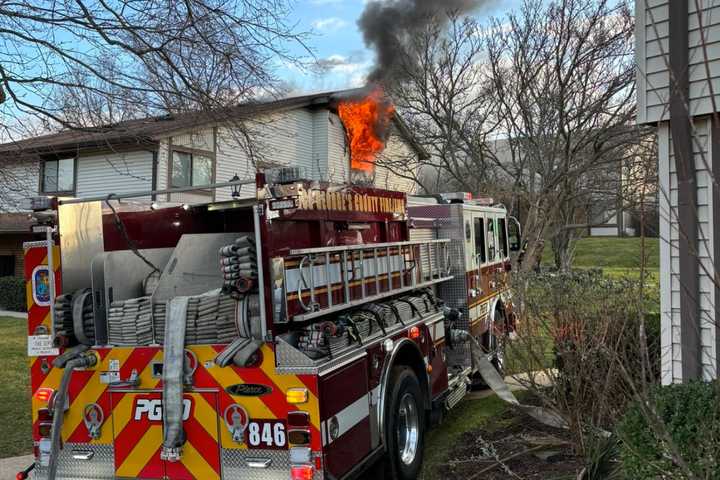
{"x": 136, "y": 432}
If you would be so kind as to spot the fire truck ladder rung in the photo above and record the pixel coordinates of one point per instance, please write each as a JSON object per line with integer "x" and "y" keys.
{"x": 355, "y": 266}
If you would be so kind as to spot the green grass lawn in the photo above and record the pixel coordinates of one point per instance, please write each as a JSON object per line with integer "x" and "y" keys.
{"x": 468, "y": 415}
{"x": 618, "y": 258}
{"x": 14, "y": 389}
{"x": 611, "y": 252}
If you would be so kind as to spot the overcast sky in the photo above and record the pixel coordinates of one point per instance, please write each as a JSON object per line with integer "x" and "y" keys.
{"x": 338, "y": 43}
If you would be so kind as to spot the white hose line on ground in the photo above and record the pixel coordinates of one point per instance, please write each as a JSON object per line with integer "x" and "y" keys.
{"x": 493, "y": 379}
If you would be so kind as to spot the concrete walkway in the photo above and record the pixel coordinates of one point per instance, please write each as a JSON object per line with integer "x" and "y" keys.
{"x": 9, "y": 467}
{"x": 5, "y": 313}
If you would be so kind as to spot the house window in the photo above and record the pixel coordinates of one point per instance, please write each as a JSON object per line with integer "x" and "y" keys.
{"x": 58, "y": 176}
{"x": 7, "y": 265}
{"x": 191, "y": 169}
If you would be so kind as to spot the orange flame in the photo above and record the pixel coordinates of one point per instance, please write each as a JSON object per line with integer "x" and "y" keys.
{"x": 367, "y": 122}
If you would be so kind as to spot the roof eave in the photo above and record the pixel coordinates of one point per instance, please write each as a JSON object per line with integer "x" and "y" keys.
{"x": 80, "y": 147}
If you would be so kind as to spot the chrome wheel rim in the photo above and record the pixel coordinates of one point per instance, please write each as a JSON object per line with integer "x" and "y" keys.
{"x": 408, "y": 429}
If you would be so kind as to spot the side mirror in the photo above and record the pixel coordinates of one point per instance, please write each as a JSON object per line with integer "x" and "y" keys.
{"x": 514, "y": 234}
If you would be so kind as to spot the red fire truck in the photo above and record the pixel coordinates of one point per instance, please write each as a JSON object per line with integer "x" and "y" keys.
{"x": 307, "y": 332}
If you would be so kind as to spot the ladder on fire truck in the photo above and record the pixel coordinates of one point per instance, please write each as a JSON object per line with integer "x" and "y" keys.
{"x": 369, "y": 272}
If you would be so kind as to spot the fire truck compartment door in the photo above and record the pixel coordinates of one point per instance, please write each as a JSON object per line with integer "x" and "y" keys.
{"x": 138, "y": 436}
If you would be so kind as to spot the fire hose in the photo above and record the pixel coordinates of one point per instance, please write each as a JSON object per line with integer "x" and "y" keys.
{"x": 70, "y": 360}
{"x": 173, "y": 369}
{"x": 493, "y": 379}
{"x": 242, "y": 349}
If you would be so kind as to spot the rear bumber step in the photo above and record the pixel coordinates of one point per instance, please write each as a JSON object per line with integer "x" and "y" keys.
{"x": 457, "y": 393}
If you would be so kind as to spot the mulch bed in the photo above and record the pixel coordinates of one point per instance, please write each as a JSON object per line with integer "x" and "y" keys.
{"x": 512, "y": 434}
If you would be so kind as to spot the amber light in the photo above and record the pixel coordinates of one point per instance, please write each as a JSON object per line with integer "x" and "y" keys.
{"x": 302, "y": 472}
{"x": 296, "y": 396}
{"x": 44, "y": 394}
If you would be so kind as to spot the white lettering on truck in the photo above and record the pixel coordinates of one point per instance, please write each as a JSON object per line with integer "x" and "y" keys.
{"x": 152, "y": 407}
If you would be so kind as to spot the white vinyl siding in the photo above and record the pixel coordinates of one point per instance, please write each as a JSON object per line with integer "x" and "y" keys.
{"x": 338, "y": 153}
{"x": 162, "y": 164}
{"x": 280, "y": 139}
{"x": 652, "y": 40}
{"x": 18, "y": 180}
{"x": 669, "y": 254}
{"x": 313, "y": 140}
{"x": 114, "y": 173}
{"x": 231, "y": 160}
{"x": 397, "y": 166}
{"x": 201, "y": 139}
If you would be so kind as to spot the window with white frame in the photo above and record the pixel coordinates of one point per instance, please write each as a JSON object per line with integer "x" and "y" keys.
{"x": 58, "y": 176}
{"x": 191, "y": 169}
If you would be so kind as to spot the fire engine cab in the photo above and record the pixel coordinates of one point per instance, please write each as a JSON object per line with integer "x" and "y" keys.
{"x": 312, "y": 331}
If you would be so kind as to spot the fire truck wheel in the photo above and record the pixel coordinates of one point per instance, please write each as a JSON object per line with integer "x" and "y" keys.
{"x": 404, "y": 425}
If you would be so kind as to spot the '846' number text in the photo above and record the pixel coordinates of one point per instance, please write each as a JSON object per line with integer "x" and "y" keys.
{"x": 266, "y": 434}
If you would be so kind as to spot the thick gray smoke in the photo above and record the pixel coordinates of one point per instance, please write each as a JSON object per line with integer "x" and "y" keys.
{"x": 388, "y": 24}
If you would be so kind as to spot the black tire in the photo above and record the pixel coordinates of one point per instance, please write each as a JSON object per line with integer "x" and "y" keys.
{"x": 404, "y": 460}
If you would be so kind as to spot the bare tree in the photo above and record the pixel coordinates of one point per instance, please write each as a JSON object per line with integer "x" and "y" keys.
{"x": 88, "y": 64}
{"x": 535, "y": 109}
{"x": 443, "y": 95}
{"x": 115, "y": 58}
{"x": 564, "y": 77}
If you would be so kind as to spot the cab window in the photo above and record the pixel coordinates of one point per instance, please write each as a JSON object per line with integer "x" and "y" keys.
{"x": 492, "y": 248}
{"x": 502, "y": 230}
{"x": 480, "y": 239}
